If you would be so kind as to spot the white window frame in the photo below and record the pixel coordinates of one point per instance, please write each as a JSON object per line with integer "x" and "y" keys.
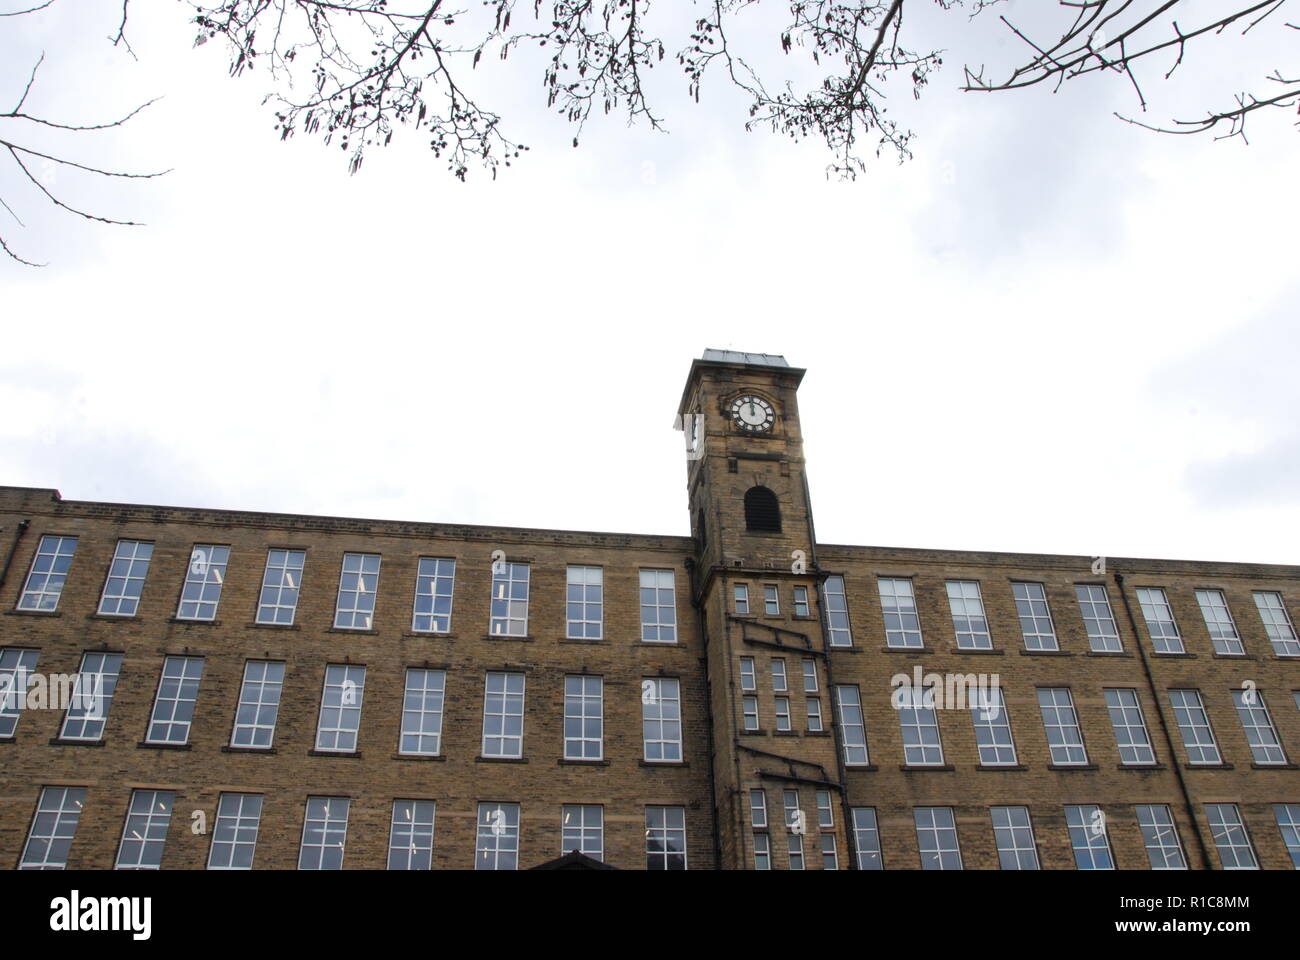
{"x": 665, "y": 833}
{"x": 1159, "y": 617}
{"x": 853, "y": 728}
{"x": 1084, "y": 836}
{"x": 970, "y": 624}
{"x": 175, "y": 700}
{"x": 658, "y": 617}
{"x": 92, "y": 696}
{"x": 331, "y": 815}
{"x": 866, "y": 839}
{"x": 585, "y": 824}
{"x": 204, "y": 578}
{"x": 260, "y": 686}
{"x": 238, "y": 814}
{"x": 585, "y": 708}
{"x": 1061, "y": 724}
{"x": 782, "y": 709}
{"x": 1013, "y": 835}
{"x": 48, "y": 573}
{"x": 144, "y": 835}
{"x": 424, "y": 699}
{"x": 496, "y": 846}
{"x": 1102, "y": 630}
{"x": 900, "y": 636}
{"x": 836, "y": 605}
{"x": 919, "y": 727}
{"x": 992, "y": 722}
{"x": 64, "y": 805}
{"x": 502, "y": 684}
{"x": 825, "y": 809}
{"x": 435, "y": 582}
{"x": 338, "y": 725}
{"x": 801, "y": 608}
{"x": 1160, "y": 836}
{"x": 508, "y": 613}
{"x": 358, "y": 591}
{"x": 810, "y": 675}
{"x": 780, "y": 682}
{"x": 1287, "y": 816}
{"x": 815, "y": 724}
{"x": 661, "y": 720}
{"x": 16, "y": 666}
{"x": 748, "y": 675}
{"x": 1277, "y": 623}
{"x": 1220, "y": 624}
{"x": 749, "y": 712}
{"x": 584, "y": 594}
{"x": 129, "y": 566}
{"x": 283, "y": 564}
{"x": 1129, "y": 725}
{"x": 1229, "y": 833}
{"x": 1035, "y": 614}
{"x": 771, "y": 600}
{"x": 937, "y": 840}
{"x": 1265, "y": 745}
{"x": 794, "y": 841}
{"x": 1199, "y": 742}
{"x": 411, "y": 834}
{"x": 740, "y": 596}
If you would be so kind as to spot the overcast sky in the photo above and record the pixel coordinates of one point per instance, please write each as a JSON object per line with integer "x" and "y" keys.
{"x": 1049, "y": 332}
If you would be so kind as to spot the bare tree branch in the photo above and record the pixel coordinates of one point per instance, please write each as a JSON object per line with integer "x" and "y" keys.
{"x": 17, "y": 150}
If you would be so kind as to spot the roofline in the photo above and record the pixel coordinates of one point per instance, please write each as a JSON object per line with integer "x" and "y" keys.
{"x": 699, "y": 363}
{"x": 221, "y": 512}
{"x": 1072, "y": 561}
{"x": 662, "y": 541}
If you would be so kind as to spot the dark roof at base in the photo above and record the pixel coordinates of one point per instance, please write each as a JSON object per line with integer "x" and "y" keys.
{"x": 573, "y": 861}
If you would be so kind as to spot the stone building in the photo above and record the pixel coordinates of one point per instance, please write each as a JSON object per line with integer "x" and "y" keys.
{"x": 191, "y": 689}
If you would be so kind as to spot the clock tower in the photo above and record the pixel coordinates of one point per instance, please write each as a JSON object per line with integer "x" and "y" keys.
{"x": 756, "y": 587}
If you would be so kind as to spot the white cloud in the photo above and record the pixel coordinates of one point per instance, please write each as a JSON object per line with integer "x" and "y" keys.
{"x": 981, "y": 353}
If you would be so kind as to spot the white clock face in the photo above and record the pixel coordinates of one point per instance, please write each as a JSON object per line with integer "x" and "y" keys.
{"x": 752, "y": 414}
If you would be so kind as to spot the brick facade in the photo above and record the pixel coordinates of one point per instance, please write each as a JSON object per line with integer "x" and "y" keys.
{"x": 722, "y": 762}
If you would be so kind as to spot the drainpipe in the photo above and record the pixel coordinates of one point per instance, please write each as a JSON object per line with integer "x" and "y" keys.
{"x": 13, "y": 548}
{"x": 692, "y": 569}
{"x": 1164, "y": 724}
{"x": 841, "y": 774}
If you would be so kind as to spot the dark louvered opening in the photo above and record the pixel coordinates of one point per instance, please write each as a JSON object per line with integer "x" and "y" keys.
{"x": 762, "y": 512}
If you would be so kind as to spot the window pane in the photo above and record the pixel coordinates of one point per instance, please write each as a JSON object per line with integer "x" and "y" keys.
{"x": 358, "y": 585}
{"x": 234, "y": 835}
{"x": 658, "y": 606}
{"x": 145, "y": 832}
{"x": 126, "y": 577}
{"x": 410, "y": 841}
{"x": 898, "y": 604}
{"x": 173, "y": 709}
{"x": 259, "y": 704}
{"x": 422, "y": 712}
{"x": 280, "y": 585}
{"x": 49, "y": 572}
{"x": 435, "y": 581}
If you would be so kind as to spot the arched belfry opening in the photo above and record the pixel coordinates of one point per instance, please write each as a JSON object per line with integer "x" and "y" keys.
{"x": 762, "y": 511}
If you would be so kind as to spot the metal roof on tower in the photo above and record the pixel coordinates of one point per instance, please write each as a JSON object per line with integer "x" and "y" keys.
{"x": 738, "y": 356}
